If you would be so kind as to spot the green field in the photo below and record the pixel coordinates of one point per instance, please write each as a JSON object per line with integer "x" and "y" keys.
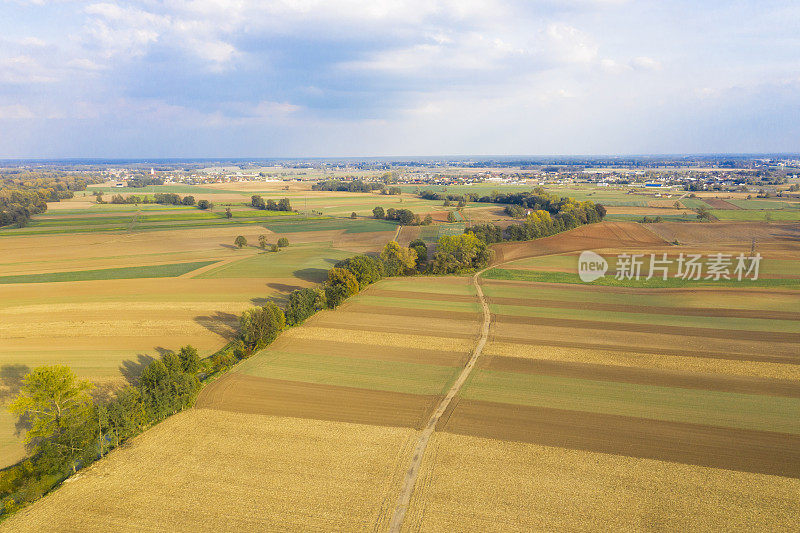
{"x": 719, "y": 323}
{"x": 775, "y": 215}
{"x": 696, "y": 406}
{"x": 309, "y": 261}
{"x": 154, "y": 271}
{"x": 332, "y": 224}
{"x": 361, "y": 372}
{"x": 416, "y": 303}
{"x": 609, "y": 281}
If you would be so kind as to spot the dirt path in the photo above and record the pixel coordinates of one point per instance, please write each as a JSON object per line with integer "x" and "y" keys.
{"x": 412, "y": 473}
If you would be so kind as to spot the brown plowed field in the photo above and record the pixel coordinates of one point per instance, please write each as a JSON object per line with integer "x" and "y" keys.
{"x": 719, "y": 203}
{"x": 727, "y": 232}
{"x": 713, "y": 333}
{"x": 645, "y": 376}
{"x": 263, "y": 396}
{"x": 649, "y": 309}
{"x": 717, "y": 447}
{"x": 589, "y": 237}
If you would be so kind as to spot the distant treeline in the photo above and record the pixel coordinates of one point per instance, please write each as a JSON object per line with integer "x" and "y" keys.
{"x": 270, "y": 205}
{"x": 405, "y": 217}
{"x": 69, "y": 429}
{"x": 354, "y": 186}
{"x": 24, "y": 194}
{"x": 163, "y": 198}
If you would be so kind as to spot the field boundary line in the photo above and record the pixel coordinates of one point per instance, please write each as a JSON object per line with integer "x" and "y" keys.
{"x": 413, "y": 471}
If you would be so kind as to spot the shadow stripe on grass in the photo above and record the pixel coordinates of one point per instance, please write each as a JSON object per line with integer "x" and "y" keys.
{"x": 154, "y": 271}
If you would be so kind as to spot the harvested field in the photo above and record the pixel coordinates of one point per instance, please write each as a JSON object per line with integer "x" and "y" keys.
{"x": 652, "y": 342}
{"x": 685, "y": 362}
{"x": 643, "y": 376}
{"x": 702, "y": 445}
{"x": 728, "y": 232}
{"x": 212, "y": 470}
{"x": 467, "y": 488}
{"x": 239, "y": 393}
{"x": 589, "y": 237}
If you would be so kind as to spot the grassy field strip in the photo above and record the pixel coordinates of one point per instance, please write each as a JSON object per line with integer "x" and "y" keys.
{"x": 310, "y": 260}
{"x": 678, "y": 298}
{"x": 363, "y": 373}
{"x": 744, "y": 411}
{"x": 644, "y": 359}
{"x": 350, "y": 226}
{"x": 572, "y": 277}
{"x": 569, "y": 263}
{"x": 785, "y": 215}
{"x": 431, "y": 285}
{"x": 415, "y": 303}
{"x": 154, "y": 271}
{"x": 379, "y": 338}
{"x": 790, "y": 326}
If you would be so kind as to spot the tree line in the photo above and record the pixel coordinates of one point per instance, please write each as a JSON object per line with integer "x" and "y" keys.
{"x": 258, "y": 202}
{"x": 405, "y": 217}
{"x": 70, "y": 429}
{"x": 354, "y": 186}
{"x": 23, "y": 195}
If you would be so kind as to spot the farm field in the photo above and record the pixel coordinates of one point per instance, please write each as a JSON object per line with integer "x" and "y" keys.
{"x": 589, "y": 406}
{"x": 105, "y": 303}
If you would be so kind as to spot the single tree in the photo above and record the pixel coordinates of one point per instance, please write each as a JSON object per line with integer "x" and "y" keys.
{"x": 378, "y": 212}
{"x": 228, "y": 213}
{"x": 283, "y": 242}
{"x": 262, "y": 241}
{"x": 284, "y": 205}
{"x": 353, "y": 215}
{"x": 240, "y": 241}
{"x": 63, "y": 424}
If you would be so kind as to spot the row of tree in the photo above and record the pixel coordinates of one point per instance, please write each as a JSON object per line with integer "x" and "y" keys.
{"x": 354, "y": 186}
{"x": 68, "y": 428}
{"x": 540, "y": 223}
{"x": 23, "y": 195}
{"x": 405, "y": 217}
{"x": 258, "y": 202}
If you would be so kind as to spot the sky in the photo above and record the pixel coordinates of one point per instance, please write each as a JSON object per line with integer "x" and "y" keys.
{"x": 344, "y": 78}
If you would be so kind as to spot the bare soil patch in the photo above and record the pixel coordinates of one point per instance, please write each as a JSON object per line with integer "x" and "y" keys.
{"x": 719, "y": 203}
{"x": 247, "y": 394}
{"x": 589, "y": 237}
{"x": 727, "y": 232}
{"x": 717, "y": 447}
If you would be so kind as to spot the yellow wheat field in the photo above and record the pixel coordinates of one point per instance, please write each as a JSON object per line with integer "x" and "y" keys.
{"x": 645, "y": 360}
{"x": 476, "y": 484}
{"x": 207, "y": 470}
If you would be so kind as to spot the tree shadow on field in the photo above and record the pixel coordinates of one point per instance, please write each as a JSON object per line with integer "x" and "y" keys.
{"x": 222, "y": 324}
{"x": 229, "y": 246}
{"x": 11, "y": 381}
{"x": 314, "y": 275}
{"x": 132, "y": 370}
{"x": 283, "y": 287}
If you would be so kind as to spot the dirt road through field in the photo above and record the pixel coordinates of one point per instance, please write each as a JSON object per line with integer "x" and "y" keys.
{"x": 412, "y": 473}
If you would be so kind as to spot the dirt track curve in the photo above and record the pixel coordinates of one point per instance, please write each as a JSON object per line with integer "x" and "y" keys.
{"x": 412, "y": 473}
